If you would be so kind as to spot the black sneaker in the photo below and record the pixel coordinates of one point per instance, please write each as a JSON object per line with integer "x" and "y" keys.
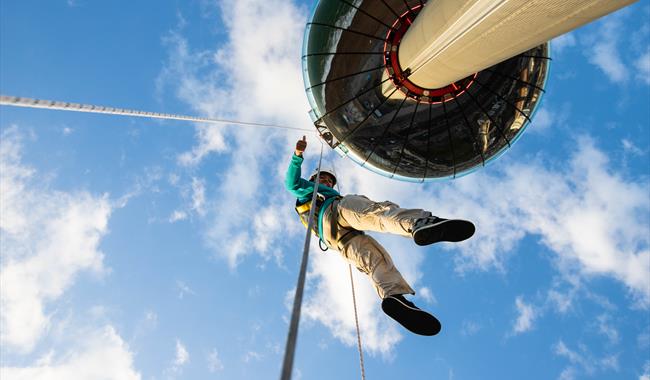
{"x": 432, "y": 229}
{"x": 410, "y": 316}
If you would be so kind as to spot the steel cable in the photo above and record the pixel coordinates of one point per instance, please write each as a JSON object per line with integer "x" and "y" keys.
{"x": 16, "y": 101}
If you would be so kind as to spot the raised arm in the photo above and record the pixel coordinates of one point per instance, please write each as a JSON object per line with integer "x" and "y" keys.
{"x": 293, "y": 181}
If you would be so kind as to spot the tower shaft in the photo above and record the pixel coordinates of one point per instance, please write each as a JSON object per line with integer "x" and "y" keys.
{"x": 451, "y": 39}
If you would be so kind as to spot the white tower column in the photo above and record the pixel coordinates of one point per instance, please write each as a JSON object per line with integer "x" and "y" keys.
{"x": 451, "y": 39}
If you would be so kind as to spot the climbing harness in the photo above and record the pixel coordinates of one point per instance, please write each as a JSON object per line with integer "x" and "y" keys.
{"x": 303, "y": 210}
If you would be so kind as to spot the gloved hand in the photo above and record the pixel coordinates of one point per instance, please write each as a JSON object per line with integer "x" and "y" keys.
{"x": 301, "y": 145}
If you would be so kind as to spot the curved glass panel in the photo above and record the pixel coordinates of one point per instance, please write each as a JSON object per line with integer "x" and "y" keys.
{"x": 358, "y": 110}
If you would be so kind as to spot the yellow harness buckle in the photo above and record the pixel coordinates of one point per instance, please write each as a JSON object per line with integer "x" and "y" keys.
{"x": 303, "y": 208}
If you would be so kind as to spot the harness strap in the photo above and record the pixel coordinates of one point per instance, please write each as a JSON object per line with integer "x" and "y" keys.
{"x": 345, "y": 239}
{"x": 303, "y": 211}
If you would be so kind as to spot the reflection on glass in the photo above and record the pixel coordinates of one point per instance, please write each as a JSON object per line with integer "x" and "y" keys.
{"x": 398, "y": 136}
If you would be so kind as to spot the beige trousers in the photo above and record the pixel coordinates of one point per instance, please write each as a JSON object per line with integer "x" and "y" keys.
{"x": 360, "y": 213}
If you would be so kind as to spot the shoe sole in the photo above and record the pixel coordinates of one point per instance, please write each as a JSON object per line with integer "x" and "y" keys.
{"x": 415, "y": 320}
{"x": 453, "y": 230}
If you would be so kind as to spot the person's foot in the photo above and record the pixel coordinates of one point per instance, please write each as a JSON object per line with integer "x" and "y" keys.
{"x": 432, "y": 229}
{"x": 410, "y": 316}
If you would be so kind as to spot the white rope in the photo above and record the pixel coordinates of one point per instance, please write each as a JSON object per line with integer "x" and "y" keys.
{"x": 290, "y": 349}
{"x": 77, "y": 107}
{"x": 354, "y": 303}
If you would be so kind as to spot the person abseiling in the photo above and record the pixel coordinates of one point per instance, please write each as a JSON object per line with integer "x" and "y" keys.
{"x": 341, "y": 221}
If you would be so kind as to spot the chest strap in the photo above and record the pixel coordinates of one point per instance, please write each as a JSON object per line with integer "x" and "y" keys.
{"x": 303, "y": 211}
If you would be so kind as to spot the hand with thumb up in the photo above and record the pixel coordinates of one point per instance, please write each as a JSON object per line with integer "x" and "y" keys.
{"x": 301, "y": 145}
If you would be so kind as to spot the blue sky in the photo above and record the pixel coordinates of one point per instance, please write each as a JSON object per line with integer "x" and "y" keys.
{"x": 144, "y": 249}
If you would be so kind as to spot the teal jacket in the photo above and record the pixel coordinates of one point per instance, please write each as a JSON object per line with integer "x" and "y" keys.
{"x": 303, "y": 189}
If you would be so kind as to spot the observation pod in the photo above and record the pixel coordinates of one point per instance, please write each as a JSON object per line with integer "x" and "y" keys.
{"x": 389, "y": 85}
{"x": 365, "y": 106}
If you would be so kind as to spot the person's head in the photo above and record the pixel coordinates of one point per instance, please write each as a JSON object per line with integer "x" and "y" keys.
{"x": 326, "y": 178}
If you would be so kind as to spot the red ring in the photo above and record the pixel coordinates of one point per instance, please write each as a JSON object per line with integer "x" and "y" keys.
{"x": 399, "y": 77}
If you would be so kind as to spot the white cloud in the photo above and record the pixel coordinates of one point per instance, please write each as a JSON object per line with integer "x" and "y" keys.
{"x": 543, "y": 119}
{"x": 603, "y": 50}
{"x": 526, "y": 316}
{"x": 198, "y": 196}
{"x": 48, "y": 238}
{"x": 145, "y": 325}
{"x": 262, "y": 72}
{"x": 427, "y": 295}
{"x": 177, "y": 215}
{"x": 214, "y": 361}
{"x": 99, "y": 354}
{"x": 562, "y": 301}
{"x": 646, "y": 371}
{"x": 470, "y": 328}
{"x": 183, "y": 289}
{"x": 550, "y": 117}
{"x": 182, "y": 356}
{"x": 211, "y": 140}
{"x": 329, "y": 302}
{"x": 593, "y": 219}
{"x": 173, "y": 179}
{"x": 605, "y": 328}
{"x": 193, "y": 195}
{"x": 630, "y": 147}
{"x": 575, "y": 358}
{"x": 642, "y": 66}
{"x": 609, "y": 362}
{"x": 252, "y": 355}
{"x": 151, "y": 318}
{"x": 643, "y": 339}
{"x": 568, "y": 373}
{"x": 67, "y": 131}
{"x": 581, "y": 360}
{"x": 563, "y": 42}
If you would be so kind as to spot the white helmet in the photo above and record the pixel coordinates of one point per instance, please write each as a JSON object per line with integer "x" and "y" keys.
{"x": 323, "y": 170}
